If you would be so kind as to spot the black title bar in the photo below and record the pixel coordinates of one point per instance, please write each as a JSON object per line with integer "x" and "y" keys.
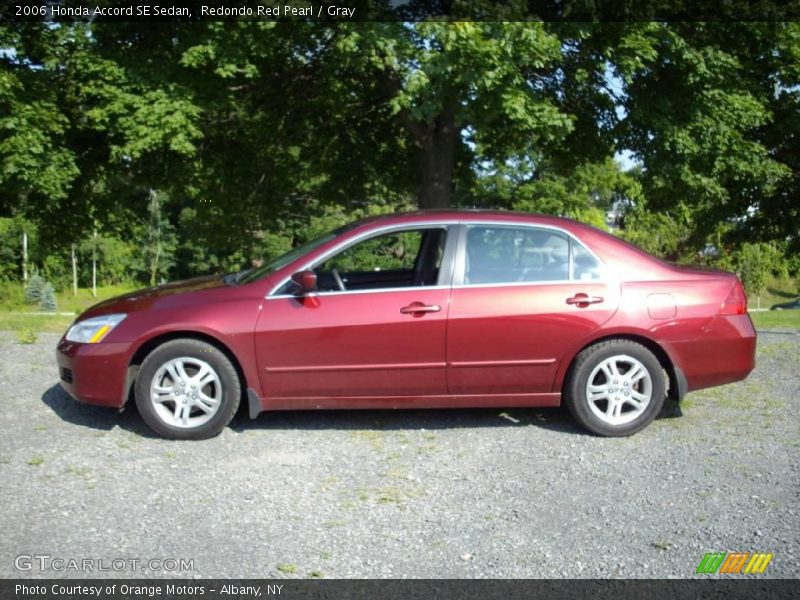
{"x": 340, "y": 589}
{"x": 65, "y": 11}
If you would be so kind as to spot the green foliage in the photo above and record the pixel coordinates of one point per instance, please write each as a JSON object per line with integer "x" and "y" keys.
{"x": 793, "y": 265}
{"x": 159, "y": 239}
{"x": 12, "y": 296}
{"x": 584, "y": 194}
{"x": 48, "y": 300}
{"x": 34, "y": 290}
{"x": 287, "y": 568}
{"x": 206, "y": 147}
{"x": 114, "y": 257}
{"x": 26, "y": 336}
{"x": 383, "y": 253}
{"x": 10, "y": 250}
{"x": 11, "y": 231}
{"x": 754, "y": 263}
{"x": 659, "y": 233}
{"x": 706, "y": 107}
{"x": 57, "y": 269}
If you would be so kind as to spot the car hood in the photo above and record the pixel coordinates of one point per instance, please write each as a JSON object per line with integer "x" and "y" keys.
{"x": 148, "y": 297}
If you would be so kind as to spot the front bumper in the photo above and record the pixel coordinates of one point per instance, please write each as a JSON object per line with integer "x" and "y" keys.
{"x": 94, "y": 373}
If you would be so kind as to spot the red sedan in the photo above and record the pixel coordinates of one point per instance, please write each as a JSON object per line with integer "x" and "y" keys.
{"x": 421, "y": 310}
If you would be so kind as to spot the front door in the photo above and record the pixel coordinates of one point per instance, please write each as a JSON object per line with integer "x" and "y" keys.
{"x": 375, "y": 329}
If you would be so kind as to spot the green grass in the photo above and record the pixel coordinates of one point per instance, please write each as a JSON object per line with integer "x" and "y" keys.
{"x": 287, "y": 568}
{"x": 77, "y": 304}
{"x": 18, "y": 322}
{"x": 12, "y": 298}
{"x": 776, "y": 319}
{"x": 16, "y": 316}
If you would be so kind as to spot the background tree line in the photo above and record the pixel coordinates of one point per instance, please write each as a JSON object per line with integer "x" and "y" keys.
{"x": 167, "y": 150}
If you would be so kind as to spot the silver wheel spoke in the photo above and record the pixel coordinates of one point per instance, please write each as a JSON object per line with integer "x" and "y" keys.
{"x": 206, "y": 402}
{"x": 179, "y": 367}
{"x": 606, "y": 368}
{"x": 159, "y": 396}
{"x": 612, "y": 366}
{"x": 204, "y": 376}
{"x": 185, "y": 410}
{"x": 635, "y": 403}
{"x": 173, "y": 373}
{"x": 163, "y": 393}
{"x": 636, "y": 373}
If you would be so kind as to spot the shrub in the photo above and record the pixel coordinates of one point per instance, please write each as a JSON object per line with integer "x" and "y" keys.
{"x": 12, "y": 296}
{"x": 755, "y": 262}
{"x": 48, "y": 301}
{"x": 34, "y": 289}
{"x": 26, "y": 336}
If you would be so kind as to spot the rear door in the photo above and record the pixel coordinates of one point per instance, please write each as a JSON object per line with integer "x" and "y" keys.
{"x": 521, "y": 296}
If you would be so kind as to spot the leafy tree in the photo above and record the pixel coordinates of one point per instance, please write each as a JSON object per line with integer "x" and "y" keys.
{"x": 661, "y": 233}
{"x": 701, "y": 102}
{"x": 114, "y": 259}
{"x": 10, "y": 249}
{"x": 159, "y": 240}
{"x": 253, "y": 136}
{"x": 754, "y": 264}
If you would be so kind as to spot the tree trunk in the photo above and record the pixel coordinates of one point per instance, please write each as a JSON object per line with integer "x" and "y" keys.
{"x": 438, "y": 160}
{"x": 74, "y": 272}
{"x": 24, "y": 257}
{"x": 94, "y": 263}
{"x": 154, "y": 234}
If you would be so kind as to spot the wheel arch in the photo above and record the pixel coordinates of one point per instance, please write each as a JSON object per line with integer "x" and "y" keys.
{"x": 157, "y": 340}
{"x": 676, "y": 379}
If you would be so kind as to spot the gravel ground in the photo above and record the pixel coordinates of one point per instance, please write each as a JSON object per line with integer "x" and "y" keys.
{"x": 457, "y": 494}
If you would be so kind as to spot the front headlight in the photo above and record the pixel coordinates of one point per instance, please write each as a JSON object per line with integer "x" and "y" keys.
{"x": 93, "y": 330}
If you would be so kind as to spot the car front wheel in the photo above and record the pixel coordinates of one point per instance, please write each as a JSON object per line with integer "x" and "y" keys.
{"x": 615, "y": 388}
{"x": 187, "y": 389}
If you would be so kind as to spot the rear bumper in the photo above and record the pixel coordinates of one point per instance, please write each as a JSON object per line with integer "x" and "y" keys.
{"x": 94, "y": 373}
{"x": 725, "y": 352}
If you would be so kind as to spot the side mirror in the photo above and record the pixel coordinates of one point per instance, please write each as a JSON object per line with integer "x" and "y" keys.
{"x": 307, "y": 280}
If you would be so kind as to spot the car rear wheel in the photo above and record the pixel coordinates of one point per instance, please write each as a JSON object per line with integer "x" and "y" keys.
{"x": 187, "y": 389}
{"x": 615, "y": 388}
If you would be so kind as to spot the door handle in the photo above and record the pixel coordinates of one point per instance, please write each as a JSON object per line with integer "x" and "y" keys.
{"x": 583, "y": 299}
{"x": 419, "y": 307}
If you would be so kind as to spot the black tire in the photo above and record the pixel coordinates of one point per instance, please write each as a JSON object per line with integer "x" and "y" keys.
{"x": 228, "y": 381}
{"x": 590, "y": 359}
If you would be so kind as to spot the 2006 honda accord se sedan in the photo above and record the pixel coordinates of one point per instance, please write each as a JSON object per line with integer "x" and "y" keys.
{"x": 420, "y": 310}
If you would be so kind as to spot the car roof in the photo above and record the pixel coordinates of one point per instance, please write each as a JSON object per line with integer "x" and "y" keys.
{"x": 464, "y": 214}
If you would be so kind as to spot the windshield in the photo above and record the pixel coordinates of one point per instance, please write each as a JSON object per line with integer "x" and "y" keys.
{"x": 284, "y": 259}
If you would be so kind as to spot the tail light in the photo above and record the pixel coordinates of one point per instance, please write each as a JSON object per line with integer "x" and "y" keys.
{"x": 736, "y": 302}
